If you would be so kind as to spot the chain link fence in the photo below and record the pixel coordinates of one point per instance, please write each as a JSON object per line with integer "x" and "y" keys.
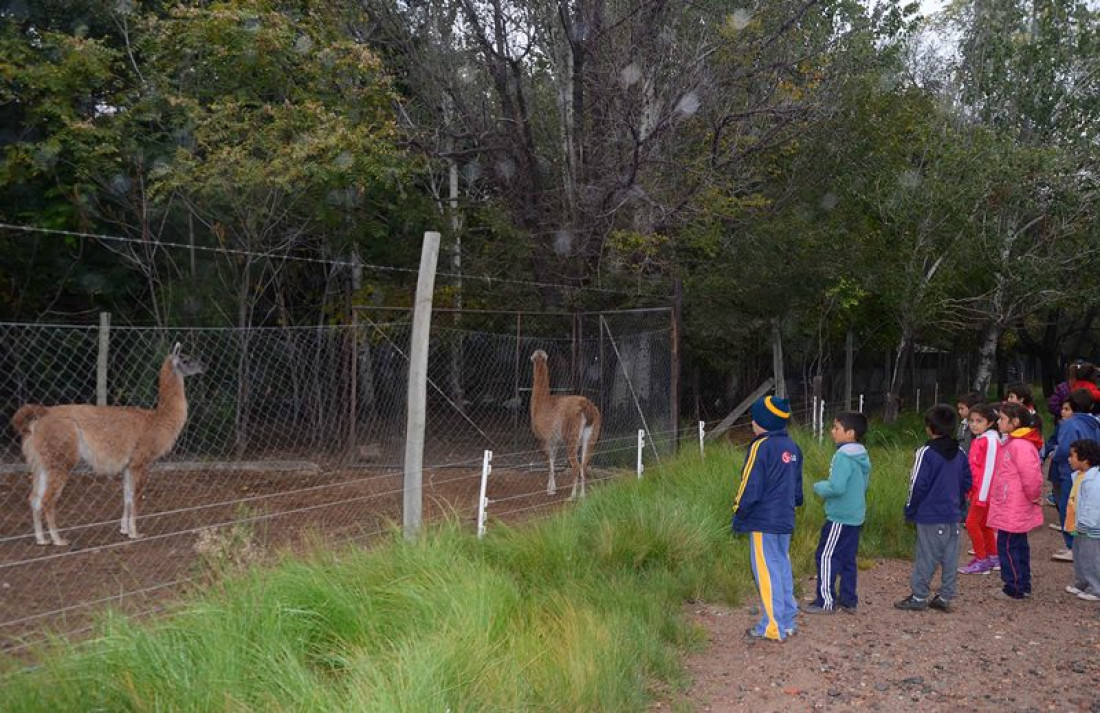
{"x": 297, "y": 435}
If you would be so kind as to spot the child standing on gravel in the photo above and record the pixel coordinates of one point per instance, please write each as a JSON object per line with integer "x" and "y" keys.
{"x": 983, "y": 459}
{"x": 1083, "y": 517}
{"x": 845, "y": 494}
{"x": 1014, "y": 500}
{"x": 937, "y": 490}
{"x": 770, "y": 490}
{"x": 1077, "y": 424}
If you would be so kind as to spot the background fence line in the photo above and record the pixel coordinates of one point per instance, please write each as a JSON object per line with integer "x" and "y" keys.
{"x": 295, "y": 435}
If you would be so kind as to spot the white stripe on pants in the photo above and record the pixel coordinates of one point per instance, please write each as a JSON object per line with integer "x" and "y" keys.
{"x": 825, "y": 564}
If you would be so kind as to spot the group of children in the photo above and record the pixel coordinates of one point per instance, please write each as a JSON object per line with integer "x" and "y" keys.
{"x": 985, "y": 471}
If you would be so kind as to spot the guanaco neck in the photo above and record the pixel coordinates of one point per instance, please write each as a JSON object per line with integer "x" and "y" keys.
{"x": 540, "y": 390}
{"x": 171, "y": 401}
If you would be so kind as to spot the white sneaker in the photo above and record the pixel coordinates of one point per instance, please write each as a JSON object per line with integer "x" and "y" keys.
{"x": 1088, "y": 597}
{"x": 1072, "y": 589}
{"x": 1062, "y": 556}
{"x": 1055, "y": 526}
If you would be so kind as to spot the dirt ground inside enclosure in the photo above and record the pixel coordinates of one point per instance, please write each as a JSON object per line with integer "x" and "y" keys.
{"x": 37, "y": 582}
{"x": 991, "y": 654}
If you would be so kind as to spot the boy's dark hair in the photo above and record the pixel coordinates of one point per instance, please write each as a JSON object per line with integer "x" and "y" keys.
{"x": 1087, "y": 450}
{"x": 852, "y": 421}
{"x": 987, "y": 411}
{"x": 1080, "y": 401}
{"x": 1086, "y": 372}
{"x": 1022, "y": 391}
{"x": 941, "y": 420}
{"x": 970, "y": 400}
{"x": 1018, "y": 412}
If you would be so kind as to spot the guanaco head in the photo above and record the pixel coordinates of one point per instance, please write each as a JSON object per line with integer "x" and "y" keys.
{"x": 185, "y": 365}
{"x": 539, "y": 355}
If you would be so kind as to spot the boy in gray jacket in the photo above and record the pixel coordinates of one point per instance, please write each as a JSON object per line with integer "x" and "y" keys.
{"x": 845, "y": 494}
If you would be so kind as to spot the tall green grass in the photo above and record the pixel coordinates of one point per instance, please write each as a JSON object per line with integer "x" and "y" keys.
{"x": 581, "y": 611}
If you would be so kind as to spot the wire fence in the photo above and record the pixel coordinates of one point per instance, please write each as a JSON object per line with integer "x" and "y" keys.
{"x": 296, "y": 435}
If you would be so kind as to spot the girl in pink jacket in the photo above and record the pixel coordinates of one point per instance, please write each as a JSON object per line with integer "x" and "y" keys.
{"x": 1014, "y": 500}
{"x": 983, "y": 455}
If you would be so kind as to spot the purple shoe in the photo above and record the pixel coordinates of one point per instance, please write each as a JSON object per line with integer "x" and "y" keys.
{"x": 976, "y": 566}
{"x": 994, "y": 563}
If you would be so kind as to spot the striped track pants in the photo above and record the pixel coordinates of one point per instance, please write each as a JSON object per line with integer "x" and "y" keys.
{"x": 836, "y": 559}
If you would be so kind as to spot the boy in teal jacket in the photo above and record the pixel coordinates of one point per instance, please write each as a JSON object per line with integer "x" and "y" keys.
{"x": 845, "y": 494}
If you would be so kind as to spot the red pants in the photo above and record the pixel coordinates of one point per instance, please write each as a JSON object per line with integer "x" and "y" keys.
{"x": 983, "y": 538}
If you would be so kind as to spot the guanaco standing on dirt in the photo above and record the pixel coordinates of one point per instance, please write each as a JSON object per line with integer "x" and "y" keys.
{"x": 110, "y": 439}
{"x": 572, "y": 420}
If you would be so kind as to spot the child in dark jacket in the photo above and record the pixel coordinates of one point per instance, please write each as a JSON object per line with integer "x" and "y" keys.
{"x": 770, "y": 490}
{"x": 937, "y": 493}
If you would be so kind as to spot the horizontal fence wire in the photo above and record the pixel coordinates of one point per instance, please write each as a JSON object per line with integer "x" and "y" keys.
{"x": 295, "y": 436}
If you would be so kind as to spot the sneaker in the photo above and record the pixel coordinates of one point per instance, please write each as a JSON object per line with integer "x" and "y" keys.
{"x": 848, "y": 610}
{"x": 1050, "y": 501}
{"x": 1055, "y": 526}
{"x": 751, "y": 635}
{"x": 944, "y": 605}
{"x": 971, "y": 552}
{"x": 1088, "y": 597}
{"x": 911, "y": 603}
{"x": 976, "y": 566}
{"x": 1073, "y": 590}
{"x": 815, "y": 609}
{"x": 1062, "y": 556}
{"x": 994, "y": 563}
{"x": 1005, "y": 595}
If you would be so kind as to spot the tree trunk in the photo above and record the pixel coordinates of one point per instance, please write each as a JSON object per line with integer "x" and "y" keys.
{"x": 987, "y": 357}
{"x": 243, "y": 363}
{"x": 897, "y": 376}
{"x": 777, "y": 360}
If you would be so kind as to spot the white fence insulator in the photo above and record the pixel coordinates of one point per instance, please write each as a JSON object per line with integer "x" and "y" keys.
{"x": 821, "y": 420}
{"x": 641, "y": 447}
{"x": 861, "y": 403}
{"x": 482, "y": 501}
{"x": 702, "y": 434}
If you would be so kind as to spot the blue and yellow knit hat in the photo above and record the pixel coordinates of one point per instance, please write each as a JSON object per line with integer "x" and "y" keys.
{"x": 771, "y": 413}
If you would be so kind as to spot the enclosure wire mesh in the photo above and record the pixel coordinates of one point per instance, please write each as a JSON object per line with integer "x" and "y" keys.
{"x": 296, "y": 435}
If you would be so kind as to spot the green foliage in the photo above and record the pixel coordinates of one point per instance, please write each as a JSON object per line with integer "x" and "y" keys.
{"x": 577, "y": 612}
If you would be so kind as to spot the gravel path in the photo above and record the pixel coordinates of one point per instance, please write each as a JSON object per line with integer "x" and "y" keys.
{"x": 991, "y": 654}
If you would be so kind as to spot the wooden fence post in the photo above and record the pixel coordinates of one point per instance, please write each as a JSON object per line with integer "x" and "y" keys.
{"x": 418, "y": 386}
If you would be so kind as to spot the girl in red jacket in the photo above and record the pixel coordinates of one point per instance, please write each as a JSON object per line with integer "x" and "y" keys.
{"x": 1014, "y": 500}
{"x": 983, "y": 454}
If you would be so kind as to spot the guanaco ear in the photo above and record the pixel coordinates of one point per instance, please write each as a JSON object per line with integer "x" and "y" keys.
{"x": 176, "y": 350}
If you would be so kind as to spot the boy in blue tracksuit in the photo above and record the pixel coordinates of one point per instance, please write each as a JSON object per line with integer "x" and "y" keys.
{"x": 845, "y": 494}
{"x": 1077, "y": 424}
{"x": 937, "y": 491}
{"x": 770, "y": 490}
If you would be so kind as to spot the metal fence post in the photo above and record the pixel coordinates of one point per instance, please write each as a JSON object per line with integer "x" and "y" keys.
{"x": 641, "y": 447}
{"x": 102, "y": 358}
{"x": 418, "y": 386}
{"x": 482, "y": 501}
{"x": 702, "y": 435}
